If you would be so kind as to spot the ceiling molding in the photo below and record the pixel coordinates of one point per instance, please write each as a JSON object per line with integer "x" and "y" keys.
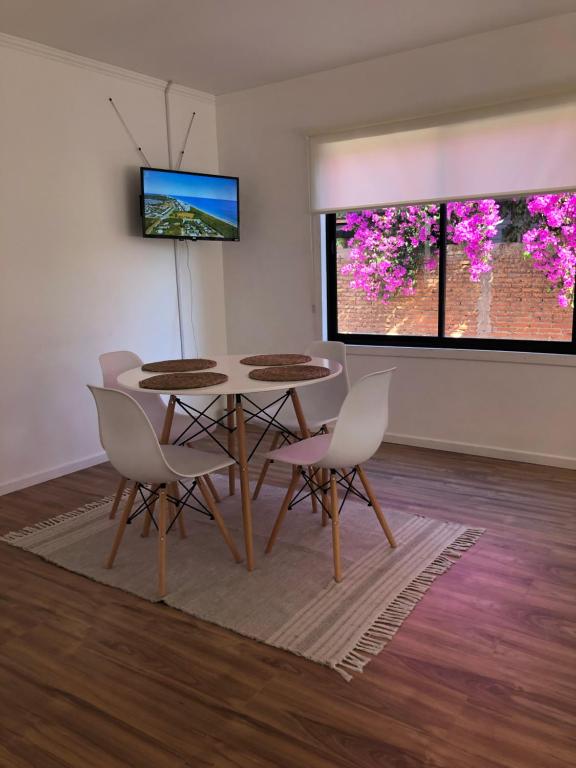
{"x": 65, "y": 57}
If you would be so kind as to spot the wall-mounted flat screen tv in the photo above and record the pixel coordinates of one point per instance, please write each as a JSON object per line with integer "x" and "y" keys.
{"x": 189, "y": 206}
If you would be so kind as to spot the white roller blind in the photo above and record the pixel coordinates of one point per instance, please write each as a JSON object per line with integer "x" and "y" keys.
{"x": 521, "y": 152}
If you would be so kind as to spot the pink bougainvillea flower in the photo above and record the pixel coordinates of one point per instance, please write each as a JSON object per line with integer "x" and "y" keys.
{"x": 551, "y": 243}
{"x": 474, "y": 225}
{"x": 389, "y": 247}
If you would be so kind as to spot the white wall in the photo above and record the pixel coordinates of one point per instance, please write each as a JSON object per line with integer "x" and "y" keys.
{"x": 76, "y": 278}
{"x": 509, "y": 409}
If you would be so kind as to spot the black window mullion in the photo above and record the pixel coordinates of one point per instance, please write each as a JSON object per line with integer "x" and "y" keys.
{"x": 331, "y": 277}
{"x": 442, "y": 272}
{"x": 574, "y": 323}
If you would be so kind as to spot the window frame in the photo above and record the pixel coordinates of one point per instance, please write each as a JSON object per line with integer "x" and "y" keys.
{"x": 440, "y": 341}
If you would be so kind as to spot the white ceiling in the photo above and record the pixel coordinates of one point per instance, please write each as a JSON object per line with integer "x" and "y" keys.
{"x": 227, "y": 45}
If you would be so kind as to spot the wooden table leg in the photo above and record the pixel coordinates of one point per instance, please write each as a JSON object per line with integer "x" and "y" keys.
{"x": 325, "y": 475}
{"x": 175, "y": 493}
{"x": 304, "y": 432}
{"x": 168, "y": 419}
{"x": 162, "y": 525}
{"x": 149, "y": 512}
{"x": 244, "y": 484}
{"x": 231, "y": 443}
{"x": 164, "y": 440}
{"x": 313, "y": 473}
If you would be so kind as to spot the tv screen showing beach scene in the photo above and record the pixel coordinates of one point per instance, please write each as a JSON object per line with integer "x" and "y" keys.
{"x": 195, "y": 206}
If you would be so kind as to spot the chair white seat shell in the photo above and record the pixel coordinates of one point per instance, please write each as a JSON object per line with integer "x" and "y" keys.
{"x": 128, "y": 437}
{"x": 321, "y": 403}
{"x": 306, "y": 453}
{"x": 192, "y": 462}
{"x": 338, "y": 456}
{"x": 112, "y": 364}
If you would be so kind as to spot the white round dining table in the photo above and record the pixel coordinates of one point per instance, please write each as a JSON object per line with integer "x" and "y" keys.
{"x": 237, "y": 388}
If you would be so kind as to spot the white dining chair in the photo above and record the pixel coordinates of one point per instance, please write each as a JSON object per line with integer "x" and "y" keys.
{"x": 112, "y": 364}
{"x": 338, "y": 456}
{"x": 321, "y": 403}
{"x": 131, "y": 443}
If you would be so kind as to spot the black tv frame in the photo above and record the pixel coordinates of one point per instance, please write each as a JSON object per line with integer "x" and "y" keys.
{"x": 184, "y": 237}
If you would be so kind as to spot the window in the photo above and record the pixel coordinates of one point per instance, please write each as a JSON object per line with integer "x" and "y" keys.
{"x": 490, "y": 273}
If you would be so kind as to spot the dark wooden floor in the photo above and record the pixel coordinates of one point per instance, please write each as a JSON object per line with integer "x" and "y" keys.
{"x": 482, "y": 675}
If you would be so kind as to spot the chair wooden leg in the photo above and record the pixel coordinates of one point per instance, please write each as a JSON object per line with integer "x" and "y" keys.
{"x": 118, "y": 498}
{"x": 148, "y": 515}
{"x": 162, "y": 521}
{"x": 122, "y": 525}
{"x": 212, "y": 506}
{"x": 376, "y": 507}
{"x": 212, "y": 487}
{"x": 283, "y": 509}
{"x": 264, "y": 470}
{"x": 324, "y": 480}
{"x": 335, "y": 526}
{"x": 230, "y": 408}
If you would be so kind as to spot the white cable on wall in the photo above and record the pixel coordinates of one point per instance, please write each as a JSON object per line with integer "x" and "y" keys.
{"x": 196, "y": 348}
{"x": 179, "y": 299}
{"x": 175, "y": 242}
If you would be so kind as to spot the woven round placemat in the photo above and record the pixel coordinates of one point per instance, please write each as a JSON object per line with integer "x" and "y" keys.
{"x": 289, "y": 373}
{"x": 183, "y": 380}
{"x": 289, "y": 359}
{"x": 179, "y": 366}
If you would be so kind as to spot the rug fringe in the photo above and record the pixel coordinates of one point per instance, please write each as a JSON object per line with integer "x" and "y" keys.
{"x": 385, "y": 626}
{"x": 22, "y": 533}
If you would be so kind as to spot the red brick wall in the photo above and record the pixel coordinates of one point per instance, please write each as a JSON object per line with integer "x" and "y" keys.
{"x": 511, "y": 302}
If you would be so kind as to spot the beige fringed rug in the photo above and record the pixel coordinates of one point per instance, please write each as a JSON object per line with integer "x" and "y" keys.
{"x": 290, "y": 600}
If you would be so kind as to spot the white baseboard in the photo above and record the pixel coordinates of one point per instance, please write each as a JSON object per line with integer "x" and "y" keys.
{"x": 490, "y": 451}
{"x": 508, "y": 454}
{"x": 50, "y": 474}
